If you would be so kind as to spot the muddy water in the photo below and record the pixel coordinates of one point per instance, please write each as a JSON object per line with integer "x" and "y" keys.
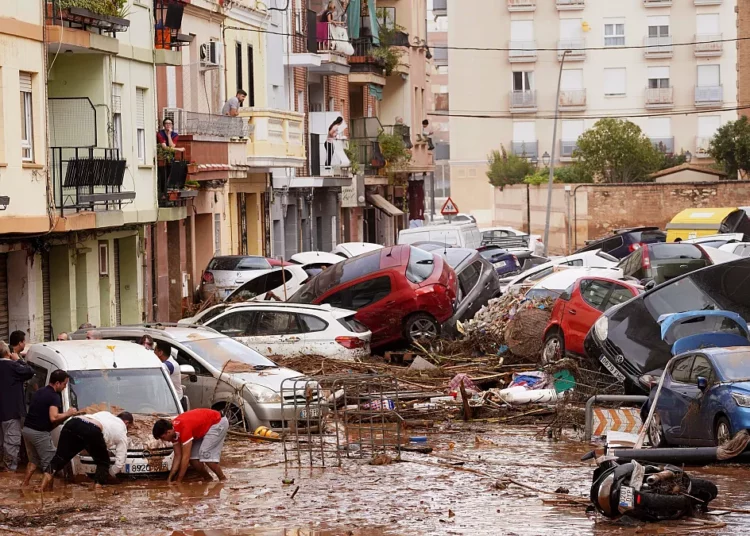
{"x": 423, "y": 495}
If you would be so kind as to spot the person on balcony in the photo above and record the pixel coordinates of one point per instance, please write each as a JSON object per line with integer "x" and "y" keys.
{"x": 233, "y": 104}
{"x": 329, "y": 13}
{"x": 167, "y": 137}
{"x": 427, "y": 133}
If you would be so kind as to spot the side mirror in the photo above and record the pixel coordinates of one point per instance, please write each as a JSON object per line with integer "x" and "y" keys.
{"x": 702, "y": 383}
{"x": 189, "y": 371}
{"x": 648, "y": 283}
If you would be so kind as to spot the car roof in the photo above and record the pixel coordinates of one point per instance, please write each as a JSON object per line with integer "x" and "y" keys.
{"x": 323, "y": 308}
{"x": 95, "y": 354}
{"x": 718, "y": 351}
{"x": 178, "y": 332}
{"x": 564, "y": 278}
{"x": 455, "y": 257}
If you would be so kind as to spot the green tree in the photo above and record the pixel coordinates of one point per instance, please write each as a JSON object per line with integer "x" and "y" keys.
{"x": 563, "y": 175}
{"x": 672, "y": 160}
{"x": 730, "y": 147}
{"x": 616, "y": 151}
{"x": 507, "y": 168}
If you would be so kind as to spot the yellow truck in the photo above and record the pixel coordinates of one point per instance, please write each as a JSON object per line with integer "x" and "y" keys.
{"x": 697, "y": 222}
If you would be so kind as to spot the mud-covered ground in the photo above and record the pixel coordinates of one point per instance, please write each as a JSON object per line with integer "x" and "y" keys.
{"x": 425, "y": 494}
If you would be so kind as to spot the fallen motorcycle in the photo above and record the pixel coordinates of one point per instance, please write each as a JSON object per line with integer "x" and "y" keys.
{"x": 647, "y": 492}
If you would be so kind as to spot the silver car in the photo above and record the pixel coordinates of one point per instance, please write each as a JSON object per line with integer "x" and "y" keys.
{"x": 229, "y": 376}
{"x": 225, "y": 273}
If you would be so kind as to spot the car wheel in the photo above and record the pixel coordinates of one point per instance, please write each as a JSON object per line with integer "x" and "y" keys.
{"x": 656, "y": 433}
{"x": 554, "y": 347}
{"x": 233, "y": 415}
{"x": 722, "y": 431}
{"x": 421, "y": 327}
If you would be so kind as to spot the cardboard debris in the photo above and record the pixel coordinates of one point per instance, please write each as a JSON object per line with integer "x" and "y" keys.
{"x": 421, "y": 363}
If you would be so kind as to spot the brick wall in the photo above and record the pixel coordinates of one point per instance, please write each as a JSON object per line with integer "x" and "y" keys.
{"x": 743, "y": 54}
{"x": 337, "y": 87}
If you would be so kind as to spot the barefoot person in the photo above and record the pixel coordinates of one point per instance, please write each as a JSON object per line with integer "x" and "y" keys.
{"x": 96, "y": 434}
{"x": 198, "y": 437}
{"x": 45, "y": 413}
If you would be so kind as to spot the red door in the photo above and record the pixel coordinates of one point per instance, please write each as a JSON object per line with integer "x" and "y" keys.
{"x": 583, "y": 309}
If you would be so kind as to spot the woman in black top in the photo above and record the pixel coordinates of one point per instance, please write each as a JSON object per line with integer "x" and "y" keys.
{"x": 328, "y": 13}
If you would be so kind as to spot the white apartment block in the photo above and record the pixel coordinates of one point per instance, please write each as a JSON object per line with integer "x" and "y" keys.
{"x": 669, "y": 66}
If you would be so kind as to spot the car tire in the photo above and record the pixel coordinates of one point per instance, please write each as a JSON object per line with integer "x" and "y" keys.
{"x": 722, "y": 431}
{"x": 554, "y": 346}
{"x": 233, "y": 415}
{"x": 421, "y": 327}
{"x": 656, "y": 433}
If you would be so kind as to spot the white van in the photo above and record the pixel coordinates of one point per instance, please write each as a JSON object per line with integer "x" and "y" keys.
{"x": 462, "y": 235}
{"x": 115, "y": 376}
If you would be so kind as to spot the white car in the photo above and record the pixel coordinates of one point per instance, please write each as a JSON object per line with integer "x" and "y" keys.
{"x": 587, "y": 259}
{"x": 554, "y": 284}
{"x": 720, "y": 256}
{"x": 265, "y": 284}
{"x": 348, "y": 250}
{"x": 290, "y": 330}
{"x": 716, "y": 240}
{"x": 512, "y": 239}
{"x": 315, "y": 262}
{"x": 738, "y": 248}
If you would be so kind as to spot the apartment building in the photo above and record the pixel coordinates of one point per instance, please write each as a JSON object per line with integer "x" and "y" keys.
{"x": 670, "y": 67}
{"x": 437, "y": 39}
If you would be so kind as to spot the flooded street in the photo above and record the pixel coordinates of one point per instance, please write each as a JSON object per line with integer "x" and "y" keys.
{"x": 423, "y": 495}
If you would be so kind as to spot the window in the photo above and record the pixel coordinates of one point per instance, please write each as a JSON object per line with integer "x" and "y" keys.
{"x": 442, "y": 69}
{"x": 571, "y": 33}
{"x": 709, "y": 75}
{"x": 572, "y": 79}
{"x": 572, "y": 129}
{"x": 658, "y": 26}
{"x": 575, "y": 262}
{"x": 614, "y": 32}
{"x": 27, "y": 118}
{"x": 681, "y": 370}
{"x": 387, "y": 17}
{"x": 362, "y": 294}
{"x": 615, "y": 82}
{"x": 277, "y": 323}
{"x": 250, "y": 77}
{"x": 117, "y": 116}
{"x": 524, "y": 131}
{"x": 421, "y": 264}
{"x": 658, "y": 77}
{"x": 523, "y": 81}
{"x": 238, "y": 65}
{"x": 619, "y": 295}
{"x": 140, "y": 123}
{"x": 313, "y": 323}
{"x": 708, "y": 125}
{"x": 469, "y": 277}
{"x": 594, "y": 292}
{"x": 103, "y": 258}
{"x": 38, "y": 381}
{"x": 522, "y": 31}
{"x": 701, "y": 369}
{"x": 236, "y": 324}
{"x": 707, "y": 24}
{"x": 217, "y": 234}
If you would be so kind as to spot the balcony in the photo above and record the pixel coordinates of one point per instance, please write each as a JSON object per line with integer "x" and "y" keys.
{"x": 659, "y": 98}
{"x": 527, "y": 149}
{"x": 334, "y": 48}
{"x": 364, "y": 132}
{"x": 708, "y": 46}
{"x": 210, "y": 125}
{"x": 439, "y": 56}
{"x": 77, "y": 29}
{"x": 576, "y": 49}
{"x": 439, "y": 8}
{"x": 663, "y": 145}
{"x": 572, "y": 100}
{"x": 567, "y": 148}
{"x": 570, "y": 5}
{"x": 171, "y": 177}
{"x": 657, "y": 3}
{"x": 522, "y": 51}
{"x": 168, "y": 41}
{"x": 658, "y": 47}
{"x": 276, "y": 137}
{"x": 523, "y": 101}
{"x": 702, "y": 144}
{"x": 707, "y": 2}
{"x": 365, "y": 67}
{"x": 521, "y": 5}
{"x": 709, "y": 95}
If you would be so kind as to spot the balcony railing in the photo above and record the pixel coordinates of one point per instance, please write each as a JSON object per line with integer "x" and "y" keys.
{"x": 364, "y": 132}
{"x": 523, "y": 100}
{"x": 572, "y": 99}
{"x": 521, "y": 5}
{"x": 439, "y": 8}
{"x": 708, "y": 2}
{"x": 707, "y": 45}
{"x": 709, "y": 95}
{"x": 274, "y": 136}
{"x": 88, "y": 178}
{"x": 576, "y": 49}
{"x": 403, "y": 131}
{"x": 171, "y": 177}
{"x": 658, "y": 47}
{"x": 167, "y": 18}
{"x": 659, "y": 97}
{"x": 521, "y": 51}
{"x": 222, "y": 126}
{"x": 563, "y": 5}
{"x": 527, "y": 149}
{"x": 702, "y": 145}
{"x": 333, "y": 38}
{"x": 657, "y": 3}
{"x": 567, "y": 148}
{"x": 664, "y": 145}
{"x": 101, "y": 21}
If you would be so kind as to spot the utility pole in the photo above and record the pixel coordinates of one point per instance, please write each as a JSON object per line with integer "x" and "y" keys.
{"x": 552, "y": 156}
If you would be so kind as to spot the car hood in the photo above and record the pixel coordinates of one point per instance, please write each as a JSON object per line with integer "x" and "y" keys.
{"x": 271, "y": 378}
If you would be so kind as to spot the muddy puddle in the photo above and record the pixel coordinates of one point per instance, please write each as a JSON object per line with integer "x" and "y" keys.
{"x": 451, "y": 491}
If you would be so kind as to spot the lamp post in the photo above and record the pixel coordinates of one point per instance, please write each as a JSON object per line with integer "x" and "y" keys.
{"x": 688, "y": 157}
{"x": 552, "y": 157}
{"x": 545, "y": 158}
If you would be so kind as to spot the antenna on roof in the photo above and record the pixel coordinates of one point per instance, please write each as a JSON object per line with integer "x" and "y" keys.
{"x": 111, "y": 348}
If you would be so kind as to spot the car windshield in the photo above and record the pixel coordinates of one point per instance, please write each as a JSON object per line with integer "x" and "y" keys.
{"x": 212, "y": 313}
{"x": 715, "y": 243}
{"x": 338, "y": 274}
{"x": 421, "y": 264}
{"x": 133, "y": 390}
{"x": 239, "y": 263}
{"x": 674, "y": 251}
{"x": 217, "y": 351}
{"x": 492, "y": 253}
{"x": 734, "y": 365}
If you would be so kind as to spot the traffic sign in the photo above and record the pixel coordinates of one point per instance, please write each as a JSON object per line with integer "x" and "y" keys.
{"x": 449, "y": 208}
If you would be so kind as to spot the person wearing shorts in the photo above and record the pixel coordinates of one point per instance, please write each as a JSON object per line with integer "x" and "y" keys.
{"x": 45, "y": 413}
{"x": 198, "y": 436}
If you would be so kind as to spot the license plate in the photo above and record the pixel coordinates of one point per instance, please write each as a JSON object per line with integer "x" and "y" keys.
{"x": 501, "y": 264}
{"x": 313, "y": 413}
{"x": 611, "y": 368}
{"x": 136, "y": 468}
{"x": 626, "y": 498}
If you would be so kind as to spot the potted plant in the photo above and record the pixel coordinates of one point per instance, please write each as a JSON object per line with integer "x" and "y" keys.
{"x": 173, "y": 195}
{"x": 192, "y": 185}
{"x": 192, "y": 167}
{"x": 164, "y": 155}
{"x": 394, "y": 151}
{"x": 352, "y": 153}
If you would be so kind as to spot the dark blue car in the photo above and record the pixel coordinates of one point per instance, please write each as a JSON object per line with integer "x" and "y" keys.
{"x": 705, "y": 396}
{"x": 505, "y": 262}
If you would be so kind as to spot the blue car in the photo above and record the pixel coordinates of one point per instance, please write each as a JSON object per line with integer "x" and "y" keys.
{"x": 705, "y": 396}
{"x": 505, "y": 262}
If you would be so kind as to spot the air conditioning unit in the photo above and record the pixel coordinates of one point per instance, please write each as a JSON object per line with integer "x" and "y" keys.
{"x": 210, "y": 54}
{"x": 175, "y": 114}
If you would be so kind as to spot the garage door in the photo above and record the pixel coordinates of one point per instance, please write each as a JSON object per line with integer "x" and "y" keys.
{"x": 4, "y": 297}
{"x": 46, "y": 302}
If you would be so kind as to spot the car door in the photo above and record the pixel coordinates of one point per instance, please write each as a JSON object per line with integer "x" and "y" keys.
{"x": 620, "y": 294}
{"x": 277, "y": 333}
{"x": 200, "y": 387}
{"x": 318, "y": 338}
{"x": 675, "y": 399}
{"x": 235, "y": 324}
{"x": 585, "y": 306}
{"x": 700, "y": 418}
{"x": 368, "y": 298}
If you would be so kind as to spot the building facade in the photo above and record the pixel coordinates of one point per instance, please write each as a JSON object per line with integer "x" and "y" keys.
{"x": 669, "y": 67}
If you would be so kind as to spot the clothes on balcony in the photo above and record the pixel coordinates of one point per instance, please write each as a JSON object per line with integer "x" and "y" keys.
{"x": 354, "y": 20}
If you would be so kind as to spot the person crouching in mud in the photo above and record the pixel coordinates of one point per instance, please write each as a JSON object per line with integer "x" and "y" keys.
{"x": 198, "y": 437}
{"x": 96, "y": 434}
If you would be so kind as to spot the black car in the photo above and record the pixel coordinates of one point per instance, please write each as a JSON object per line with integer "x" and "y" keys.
{"x": 623, "y": 242}
{"x": 657, "y": 263}
{"x": 627, "y": 339}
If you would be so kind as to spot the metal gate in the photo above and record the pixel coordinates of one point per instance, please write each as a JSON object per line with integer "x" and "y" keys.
{"x": 4, "y": 317}
{"x": 46, "y": 299}
{"x": 242, "y": 206}
{"x": 118, "y": 306}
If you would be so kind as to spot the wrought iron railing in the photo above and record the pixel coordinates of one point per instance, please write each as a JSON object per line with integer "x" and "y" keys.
{"x": 82, "y": 17}
{"x": 400, "y": 130}
{"x": 167, "y": 22}
{"x": 527, "y": 149}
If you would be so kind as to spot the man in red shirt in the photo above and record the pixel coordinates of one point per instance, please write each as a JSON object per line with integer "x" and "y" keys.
{"x": 198, "y": 437}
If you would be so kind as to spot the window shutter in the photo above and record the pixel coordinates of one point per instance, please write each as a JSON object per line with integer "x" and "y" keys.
{"x": 708, "y": 125}
{"x": 25, "y": 82}
{"x": 571, "y": 29}
{"x": 572, "y": 79}
{"x": 659, "y": 127}
{"x": 572, "y": 129}
{"x": 614, "y": 81}
{"x": 707, "y": 24}
{"x": 658, "y": 72}
{"x": 140, "y": 108}
{"x": 521, "y": 30}
{"x": 524, "y": 131}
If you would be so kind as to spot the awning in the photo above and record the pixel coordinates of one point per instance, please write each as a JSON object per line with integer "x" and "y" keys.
{"x": 376, "y": 91}
{"x": 381, "y": 203}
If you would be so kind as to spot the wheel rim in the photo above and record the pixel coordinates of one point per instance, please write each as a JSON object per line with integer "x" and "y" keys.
{"x": 654, "y": 431}
{"x": 234, "y": 416}
{"x": 552, "y": 350}
{"x": 722, "y": 433}
{"x": 423, "y": 329}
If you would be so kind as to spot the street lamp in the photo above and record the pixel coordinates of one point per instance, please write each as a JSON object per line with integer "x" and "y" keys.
{"x": 552, "y": 158}
{"x": 545, "y": 158}
{"x": 688, "y": 156}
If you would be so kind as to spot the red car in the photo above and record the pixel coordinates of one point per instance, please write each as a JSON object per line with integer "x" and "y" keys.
{"x": 399, "y": 292}
{"x": 577, "y": 309}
